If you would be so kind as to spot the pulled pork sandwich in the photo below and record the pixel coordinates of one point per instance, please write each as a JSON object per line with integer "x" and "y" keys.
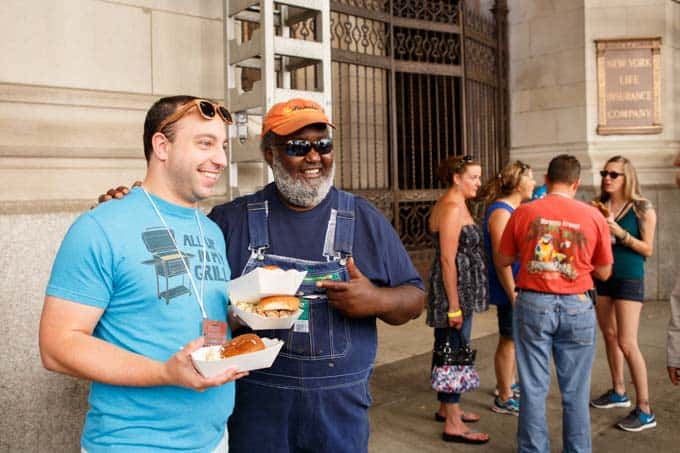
{"x": 242, "y": 344}
{"x": 277, "y": 306}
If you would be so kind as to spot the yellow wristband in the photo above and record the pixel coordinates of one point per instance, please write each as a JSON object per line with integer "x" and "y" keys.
{"x": 454, "y": 314}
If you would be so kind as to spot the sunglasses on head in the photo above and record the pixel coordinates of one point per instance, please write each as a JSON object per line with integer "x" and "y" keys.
{"x": 300, "y": 148}
{"x": 207, "y": 109}
{"x": 611, "y": 174}
{"x": 465, "y": 160}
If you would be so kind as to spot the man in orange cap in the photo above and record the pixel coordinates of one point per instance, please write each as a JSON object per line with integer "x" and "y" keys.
{"x": 315, "y": 397}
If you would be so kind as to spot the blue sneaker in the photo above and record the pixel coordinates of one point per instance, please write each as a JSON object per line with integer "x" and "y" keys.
{"x": 514, "y": 388}
{"x": 509, "y": 407}
{"x": 611, "y": 399}
{"x": 637, "y": 421}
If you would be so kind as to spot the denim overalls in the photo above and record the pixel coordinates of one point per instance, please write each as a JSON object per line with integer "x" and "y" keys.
{"x": 315, "y": 396}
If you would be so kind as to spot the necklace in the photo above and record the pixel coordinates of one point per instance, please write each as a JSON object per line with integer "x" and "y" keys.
{"x": 618, "y": 211}
{"x": 199, "y": 297}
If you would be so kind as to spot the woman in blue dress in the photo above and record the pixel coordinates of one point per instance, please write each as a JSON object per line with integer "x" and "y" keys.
{"x": 502, "y": 194}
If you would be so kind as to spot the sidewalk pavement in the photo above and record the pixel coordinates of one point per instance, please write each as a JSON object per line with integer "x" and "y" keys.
{"x": 404, "y": 405}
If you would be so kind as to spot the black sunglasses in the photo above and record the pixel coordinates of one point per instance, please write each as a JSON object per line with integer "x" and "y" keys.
{"x": 300, "y": 148}
{"x": 465, "y": 160}
{"x": 612, "y": 174}
{"x": 207, "y": 109}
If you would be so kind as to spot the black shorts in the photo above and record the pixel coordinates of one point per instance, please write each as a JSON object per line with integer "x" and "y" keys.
{"x": 622, "y": 288}
{"x": 504, "y": 313}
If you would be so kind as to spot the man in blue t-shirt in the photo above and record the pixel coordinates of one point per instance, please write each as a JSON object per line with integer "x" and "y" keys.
{"x": 134, "y": 285}
{"x": 315, "y": 397}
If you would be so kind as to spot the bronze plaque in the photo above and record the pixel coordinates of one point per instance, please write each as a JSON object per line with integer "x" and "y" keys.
{"x": 628, "y": 82}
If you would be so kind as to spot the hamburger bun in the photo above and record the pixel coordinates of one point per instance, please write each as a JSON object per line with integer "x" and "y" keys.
{"x": 602, "y": 208}
{"x": 277, "y": 306}
{"x": 242, "y": 344}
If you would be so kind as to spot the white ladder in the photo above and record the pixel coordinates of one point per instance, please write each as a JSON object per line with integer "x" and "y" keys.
{"x": 278, "y": 56}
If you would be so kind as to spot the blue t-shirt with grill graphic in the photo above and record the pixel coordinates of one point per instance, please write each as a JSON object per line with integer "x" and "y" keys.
{"x": 121, "y": 258}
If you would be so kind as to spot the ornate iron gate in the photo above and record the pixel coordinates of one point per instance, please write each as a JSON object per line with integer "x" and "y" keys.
{"x": 415, "y": 81}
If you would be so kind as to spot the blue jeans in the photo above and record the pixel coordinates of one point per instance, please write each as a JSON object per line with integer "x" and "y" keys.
{"x": 285, "y": 420}
{"x": 454, "y": 340}
{"x": 562, "y": 326}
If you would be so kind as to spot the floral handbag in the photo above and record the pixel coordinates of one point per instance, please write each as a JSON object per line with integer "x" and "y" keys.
{"x": 453, "y": 370}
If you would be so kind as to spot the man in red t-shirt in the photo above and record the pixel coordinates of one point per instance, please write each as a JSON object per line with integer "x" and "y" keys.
{"x": 560, "y": 243}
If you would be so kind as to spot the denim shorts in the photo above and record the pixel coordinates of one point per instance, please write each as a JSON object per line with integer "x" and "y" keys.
{"x": 504, "y": 313}
{"x": 622, "y": 288}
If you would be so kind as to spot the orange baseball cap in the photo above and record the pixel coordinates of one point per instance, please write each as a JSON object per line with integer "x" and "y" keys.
{"x": 287, "y": 117}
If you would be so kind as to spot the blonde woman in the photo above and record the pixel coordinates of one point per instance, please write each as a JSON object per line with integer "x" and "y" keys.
{"x": 458, "y": 285}
{"x": 502, "y": 194}
{"x": 632, "y": 222}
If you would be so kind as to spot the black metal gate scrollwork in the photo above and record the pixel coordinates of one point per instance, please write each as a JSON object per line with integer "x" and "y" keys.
{"x": 413, "y": 82}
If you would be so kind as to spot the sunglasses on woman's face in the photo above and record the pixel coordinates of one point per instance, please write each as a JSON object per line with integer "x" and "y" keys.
{"x": 300, "y": 148}
{"x": 611, "y": 174}
{"x": 207, "y": 109}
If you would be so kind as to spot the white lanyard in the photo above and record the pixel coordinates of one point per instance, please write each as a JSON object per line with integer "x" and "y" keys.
{"x": 199, "y": 297}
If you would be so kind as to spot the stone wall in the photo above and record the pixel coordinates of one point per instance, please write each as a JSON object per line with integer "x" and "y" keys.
{"x": 547, "y": 79}
{"x": 76, "y": 80}
{"x": 42, "y": 411}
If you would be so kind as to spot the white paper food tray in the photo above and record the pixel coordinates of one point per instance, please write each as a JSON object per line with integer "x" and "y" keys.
{"x": 257, "y": 322}
{"x": 260, "y": 283}
{"x": 243, "y": 362}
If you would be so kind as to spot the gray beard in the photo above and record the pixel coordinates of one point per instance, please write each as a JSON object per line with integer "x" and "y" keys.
{"x": 297, "y": 192}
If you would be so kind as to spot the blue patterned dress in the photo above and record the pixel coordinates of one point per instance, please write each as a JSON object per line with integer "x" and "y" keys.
{"x": 473, "y": 286}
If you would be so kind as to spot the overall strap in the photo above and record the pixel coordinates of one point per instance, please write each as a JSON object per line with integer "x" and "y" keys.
{"x": 344, "y": 228}
{"x": 258, "y": 212}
